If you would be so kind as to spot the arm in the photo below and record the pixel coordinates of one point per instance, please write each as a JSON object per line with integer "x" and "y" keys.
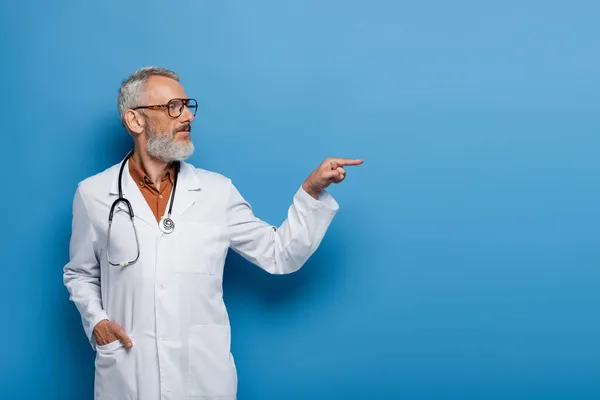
{"x": 81, "y": 275}
{"x": 285, "y": 249}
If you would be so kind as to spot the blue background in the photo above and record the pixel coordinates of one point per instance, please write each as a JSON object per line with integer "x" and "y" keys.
{"x": 463, "y": 263}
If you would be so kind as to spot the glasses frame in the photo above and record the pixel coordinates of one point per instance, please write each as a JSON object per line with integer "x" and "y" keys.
{"x": 185, "y": 103}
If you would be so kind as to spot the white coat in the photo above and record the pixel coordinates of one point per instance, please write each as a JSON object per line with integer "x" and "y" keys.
{"x": 170, "y": 302}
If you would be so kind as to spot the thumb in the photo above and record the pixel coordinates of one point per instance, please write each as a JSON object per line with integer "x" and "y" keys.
{"x": 122, "y": 336}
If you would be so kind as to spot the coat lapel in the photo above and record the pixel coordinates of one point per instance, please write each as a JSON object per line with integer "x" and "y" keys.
{"x": 187, "y": 190}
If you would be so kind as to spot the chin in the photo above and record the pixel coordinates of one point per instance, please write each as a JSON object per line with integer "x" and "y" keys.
{"x": 177, "y": 150}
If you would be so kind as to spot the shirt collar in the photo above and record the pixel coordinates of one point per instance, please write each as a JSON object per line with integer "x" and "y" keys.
{"x": 142, "y": 179}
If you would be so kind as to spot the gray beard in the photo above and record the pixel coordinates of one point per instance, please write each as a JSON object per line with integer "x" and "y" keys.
{"x": 163, "y": 146}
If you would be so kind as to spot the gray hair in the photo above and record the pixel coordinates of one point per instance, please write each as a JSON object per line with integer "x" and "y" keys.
{"x": 132, "y": 88}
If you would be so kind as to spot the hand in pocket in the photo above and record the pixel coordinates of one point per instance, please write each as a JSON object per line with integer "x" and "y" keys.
{"x": 108, "y": 331}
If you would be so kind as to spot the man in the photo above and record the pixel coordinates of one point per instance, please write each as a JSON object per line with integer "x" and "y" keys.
{"x": 148, "y": 246}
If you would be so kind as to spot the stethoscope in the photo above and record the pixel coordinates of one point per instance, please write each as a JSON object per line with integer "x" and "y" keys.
{"x": 166, "y": 224}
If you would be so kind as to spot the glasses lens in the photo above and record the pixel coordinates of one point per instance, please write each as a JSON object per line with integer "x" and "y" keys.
{"x": 192, "y": 105}
{"x": 175, "y": 107}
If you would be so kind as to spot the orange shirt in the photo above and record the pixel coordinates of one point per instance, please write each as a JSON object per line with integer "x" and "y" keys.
{"x": 157, "y": 199}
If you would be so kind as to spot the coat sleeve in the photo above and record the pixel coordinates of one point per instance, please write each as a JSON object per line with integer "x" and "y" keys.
{"x": 284, "y": 249}
{"x": 81, "y": 275}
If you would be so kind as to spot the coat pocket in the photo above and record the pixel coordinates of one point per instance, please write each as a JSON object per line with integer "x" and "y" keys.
{"x": 212, "y": 369}
{"x": 115, "y": 372}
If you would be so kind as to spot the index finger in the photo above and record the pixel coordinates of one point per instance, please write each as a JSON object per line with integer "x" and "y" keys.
{"x": 122, "y": 336}
{"x": 346, "y": 161}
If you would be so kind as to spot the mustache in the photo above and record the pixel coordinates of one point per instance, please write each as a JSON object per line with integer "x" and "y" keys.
{"x": 183, "y": 128}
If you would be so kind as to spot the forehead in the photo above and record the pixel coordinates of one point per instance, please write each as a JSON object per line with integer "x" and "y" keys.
{"x": 161, "y": 89}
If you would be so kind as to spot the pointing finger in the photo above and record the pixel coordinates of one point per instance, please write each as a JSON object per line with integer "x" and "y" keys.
{"x": 340, "y": 162}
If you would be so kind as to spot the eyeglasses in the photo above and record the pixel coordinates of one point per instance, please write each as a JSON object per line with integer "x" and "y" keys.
{"x": 174, "y": 107}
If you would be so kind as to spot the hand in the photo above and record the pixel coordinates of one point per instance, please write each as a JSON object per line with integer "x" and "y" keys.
{"x": 107, "y": 331}
{"x": 330, "y": 170}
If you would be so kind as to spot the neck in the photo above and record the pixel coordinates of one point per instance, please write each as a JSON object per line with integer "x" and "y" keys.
{"x": 154, "y": 168}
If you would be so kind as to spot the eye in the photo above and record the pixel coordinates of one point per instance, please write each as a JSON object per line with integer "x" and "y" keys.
{"x": 175, "y": 105}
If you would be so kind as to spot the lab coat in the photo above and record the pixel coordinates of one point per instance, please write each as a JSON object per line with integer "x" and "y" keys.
{"x": 170, "y": 302}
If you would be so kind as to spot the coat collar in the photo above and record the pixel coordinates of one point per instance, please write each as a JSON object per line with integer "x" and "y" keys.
{"x": 186, "y": 192}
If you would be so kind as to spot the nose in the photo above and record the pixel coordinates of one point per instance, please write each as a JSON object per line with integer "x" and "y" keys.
{"x": 187, "y": 114}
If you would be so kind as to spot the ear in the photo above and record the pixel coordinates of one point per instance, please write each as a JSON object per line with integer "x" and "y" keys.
{"x": 135, "y": 122}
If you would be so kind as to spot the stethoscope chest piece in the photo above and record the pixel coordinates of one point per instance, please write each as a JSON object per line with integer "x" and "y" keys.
{"x": 166, "y": 225}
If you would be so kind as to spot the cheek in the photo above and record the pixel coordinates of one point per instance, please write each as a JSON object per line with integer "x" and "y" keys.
{"x": 167, "y": 126}
{"x": 172, "y": 129}
{"x": 163, "y": 128}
